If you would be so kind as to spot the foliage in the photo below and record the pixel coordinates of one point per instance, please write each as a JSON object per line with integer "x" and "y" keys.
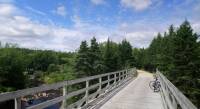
{"x": 11, "y": 69}
{"x": 177, "y": 53}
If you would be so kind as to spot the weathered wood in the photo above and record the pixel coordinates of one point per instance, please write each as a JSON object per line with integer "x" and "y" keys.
{"x": 17, "y": 103}
{"x": 177, "y": 96}
{"x": 20, "y": 93}
{"x": 64, "y": 102}
{"x": 87, "y": 92}
{"x": 16, "y": 95}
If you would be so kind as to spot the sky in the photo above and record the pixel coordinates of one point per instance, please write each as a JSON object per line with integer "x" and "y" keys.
{"x": 61, "y": 25}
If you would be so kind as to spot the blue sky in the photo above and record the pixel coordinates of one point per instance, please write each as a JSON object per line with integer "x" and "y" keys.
{"x": 62, "y": 24}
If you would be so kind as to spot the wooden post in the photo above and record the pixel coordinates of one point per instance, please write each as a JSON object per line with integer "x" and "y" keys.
{"x": 64, "y": 102}
{"x": 123, "y": 75}
{"x": 17, "y": 103}
{"x": 108, "y": 80}
{"x": 87, "y": 92}
{"x": 119, "y": 77}
{"x": 126, "y": 74}
{"x": 100, "y": 81}
{"x": 174, "y": 102}
{"x": 115, "y": 76}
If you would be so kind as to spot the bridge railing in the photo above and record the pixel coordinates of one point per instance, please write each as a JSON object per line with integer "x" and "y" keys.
{"x": 173, "y": 98}
{"x": 103, "y": 83}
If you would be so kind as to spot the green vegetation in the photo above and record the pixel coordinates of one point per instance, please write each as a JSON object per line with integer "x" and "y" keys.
{"x": 22, "y": 68}
{"x": 177, "y": 54}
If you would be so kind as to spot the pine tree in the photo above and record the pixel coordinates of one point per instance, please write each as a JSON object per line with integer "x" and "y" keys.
{"x": 83, "y": 66}
{"x": 155, "y": 52}
{"x": 168, "y": 46}
{"x": 95, "y": 58}
{"x": 111, "y": 57}
{"x": 125, "y": 52}
{"x": 186, "y": 62}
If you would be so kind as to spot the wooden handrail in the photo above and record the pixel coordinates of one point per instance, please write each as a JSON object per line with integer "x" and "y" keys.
{"x": 117, "y": 80}
{"x": 172, "y": 96}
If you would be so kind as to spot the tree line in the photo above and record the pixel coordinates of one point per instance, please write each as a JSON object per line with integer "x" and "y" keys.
{"x": 177, "y": 54}
{"x": 36, "y": 67}
{"x": 22, "y": 68}
{"x": 104, "y": 57}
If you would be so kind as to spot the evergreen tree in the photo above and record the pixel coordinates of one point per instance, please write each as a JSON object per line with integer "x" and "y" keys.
{"x": 125, "y": 52}
{"x": 111, "y": 57}
{"x": 186, "y": 61}
{"x": 95, "y": 58}
{"x": 83, "y": 66}
{"x": 155, "y": 52}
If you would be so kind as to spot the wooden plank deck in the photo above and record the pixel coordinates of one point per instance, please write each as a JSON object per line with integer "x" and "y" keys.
{"x": 136, "y": 95}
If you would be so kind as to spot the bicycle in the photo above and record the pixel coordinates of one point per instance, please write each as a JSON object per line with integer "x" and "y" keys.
{"x": 155, "y": 85}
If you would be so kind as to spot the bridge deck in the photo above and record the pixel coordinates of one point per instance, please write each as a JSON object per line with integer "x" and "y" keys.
{"x": 136, "y": 95}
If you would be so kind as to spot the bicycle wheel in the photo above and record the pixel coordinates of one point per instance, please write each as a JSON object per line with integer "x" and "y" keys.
{"x": 157, "y": 86}
{"x": 151, "y": 84}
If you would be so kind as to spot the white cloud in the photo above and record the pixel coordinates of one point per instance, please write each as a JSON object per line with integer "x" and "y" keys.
{"x": 136, "y": 4}
{"x": 7, "y": 9}
{"x": 17, "y": 28}
{"x": 32, "y": 34}
{"x": 35, "y": 11}
{"x": 196, "y": 26}
{"x": 61, "y": 10}
{"x": 97, "y": 2}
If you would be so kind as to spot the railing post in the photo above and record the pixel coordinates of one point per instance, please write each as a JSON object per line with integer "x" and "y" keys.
{"x": 64, "y": 102}
{"x": 17, "y": 103}
{"x": 119, "y": 77}
{"x": 108, "y": 80}
{"x": 125, "y": 75}
{"x": 87, "y": 92}
{"x": 174, "y": 102}
{"x": 115, "y": 80}
{"x": 100, "y": 82}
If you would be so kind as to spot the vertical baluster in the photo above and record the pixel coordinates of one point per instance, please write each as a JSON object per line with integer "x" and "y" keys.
{"x": 87, "y": 92}
{"x": 115, "y": 81}
{"x": 100, "y": 83}
{"x": 127, "y": 73}
{"x": 119, "y": 76}
{"x": 174, "y": 103}
{"x": 125, "y": 76}
{"x": 17, "y": 103}
{"x": 64, "y": 102}
{"x": 108, "y": 80}
{"x": 122, "y": 73}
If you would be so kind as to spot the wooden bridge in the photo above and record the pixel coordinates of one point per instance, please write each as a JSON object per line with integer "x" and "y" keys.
{"x": 126, "y": 89}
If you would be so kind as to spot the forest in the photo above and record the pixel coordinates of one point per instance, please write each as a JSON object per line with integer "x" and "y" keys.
{"x": 176, "y": 53}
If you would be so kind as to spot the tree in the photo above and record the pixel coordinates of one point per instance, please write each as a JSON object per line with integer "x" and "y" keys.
{"x": 82, "y": 65}
{"x": 95, "y": 58}
{"x": 125, "y": 52}
{"x": 155, "y": 52}
{"x": 111, "y": 56}
{"x": 42, "y": 60}
{"x": 186, "y": 61}
{"x": 168, "y": 49}
{"x": 11, "y": 70}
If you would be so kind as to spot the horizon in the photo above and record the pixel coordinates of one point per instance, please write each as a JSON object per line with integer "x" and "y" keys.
{"x": 62, "y": 25}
